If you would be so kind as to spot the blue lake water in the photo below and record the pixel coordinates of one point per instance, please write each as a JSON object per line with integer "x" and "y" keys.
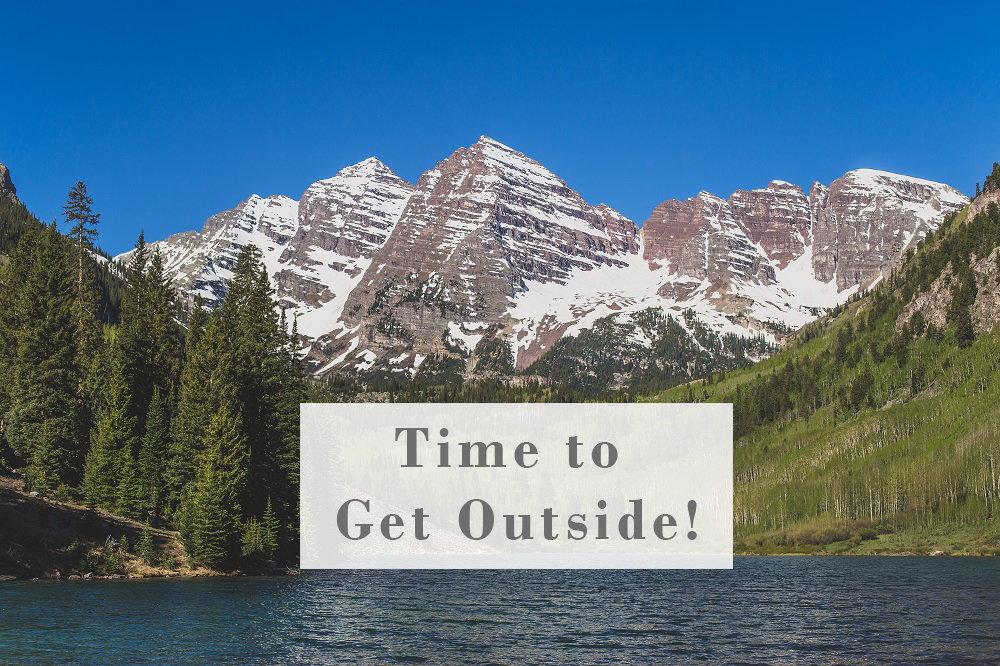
{"x": 767, "y": 610}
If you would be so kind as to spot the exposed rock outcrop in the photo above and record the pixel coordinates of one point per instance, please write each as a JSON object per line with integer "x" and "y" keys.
{"x": 6, "y": 184}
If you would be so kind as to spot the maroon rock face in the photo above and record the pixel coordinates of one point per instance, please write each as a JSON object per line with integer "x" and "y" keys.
{"x": 700, "y": 239}
{"x": 479, "y": 226}
{"x": 869, "y": 218}
{"x": 777, "y": 217}
{"x": 857, "y": 229}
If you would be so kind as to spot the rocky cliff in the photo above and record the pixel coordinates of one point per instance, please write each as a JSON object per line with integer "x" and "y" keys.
{"x": 6, "y": 185}
{"x": 865, "y": 220}
{"x": 814, "y": 248}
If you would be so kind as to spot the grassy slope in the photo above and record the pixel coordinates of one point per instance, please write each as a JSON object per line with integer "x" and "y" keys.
{"x": 41, "y": 538}
{"x": 912, "y": 469}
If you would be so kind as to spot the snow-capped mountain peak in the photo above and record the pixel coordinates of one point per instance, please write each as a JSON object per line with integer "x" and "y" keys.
{"x": 491, "y": 245}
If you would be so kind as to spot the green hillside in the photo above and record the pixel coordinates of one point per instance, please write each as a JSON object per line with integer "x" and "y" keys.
{"x": 875, "y": 429}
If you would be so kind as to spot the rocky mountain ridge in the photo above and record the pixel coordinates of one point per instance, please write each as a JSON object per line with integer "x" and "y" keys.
{"x": 490, "y": 247}
{"x": 6, "y": 185}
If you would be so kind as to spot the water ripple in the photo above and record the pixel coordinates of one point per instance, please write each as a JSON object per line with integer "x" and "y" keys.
{"x": 767, "y": 610}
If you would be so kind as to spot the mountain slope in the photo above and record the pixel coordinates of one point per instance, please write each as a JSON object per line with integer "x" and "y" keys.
{"x": 881, "y": 419}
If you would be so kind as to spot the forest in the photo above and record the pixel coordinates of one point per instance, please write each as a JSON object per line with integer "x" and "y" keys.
{"x": 107, "y": 399}
{"x": 881, "y": 419}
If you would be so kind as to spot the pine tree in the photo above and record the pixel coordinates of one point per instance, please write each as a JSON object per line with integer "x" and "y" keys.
{"x": 253, "y": 538}
{"x": 43, "y": 414}
{"x": 164, "y": 331}
{"x": 292, "y": 394}
{"x": 135, "y": 332}
{"x": 215, "y": 504}
{"x": 214, "y": 537}
{"x": 256, "y": 359}
{"x": 115, "y": 432}
{"x": 153, "y": 453}
{"x": 206, "y": 385}
{"x": 258, "y": 363}
{"x": 965, "y": 334}
{"x": 150, "y": 334}
{"x": 129, "y": 496}
{"x": 44, "y": 470}
{"x": 83, "y": 223}
{"x": 145, "y": 549}
{"x": 271, "y": 530}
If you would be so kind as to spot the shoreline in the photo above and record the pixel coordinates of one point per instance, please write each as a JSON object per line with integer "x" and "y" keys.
{"x": 77, "y": 578}
{"x": 5, "y": 578}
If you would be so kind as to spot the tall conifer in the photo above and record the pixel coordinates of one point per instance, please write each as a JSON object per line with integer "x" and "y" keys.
{"x": 43, "y": 415}
{"x": 83, "y": 222}
{"x": 154, "y": 451}
{"x": 129, "y": 497}
{"x": 216, "y": 501}
{"x": 115, "y": 432}
{"x": 205, "y": 386}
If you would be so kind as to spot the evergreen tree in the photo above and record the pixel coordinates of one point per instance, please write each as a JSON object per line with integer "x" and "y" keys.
{"x": 153, "y": 453}
{"x": 206, "y": 385}
{"x": 213, "y": 528}
{"x": 260, "y": 365}
{"x": 83, "y": 223}
{"x": 130, "y": 499}
{"x": 115, "y": 433}
{"x": 271, "y": 530}
{"x": 861, "y": 388}
{"x": 150, "y": 334}
{"x": 993, "y": 180}
{"x": 145, "y": 549}
{"x": 292, "y": 394}
{"x": 164, "y": 331}
{"x": 46, "y": 464}
{"x": 15, "y": 221}
{"x": 43, "y": 415}
{"x": 257, "y": 361}
{"x": 253, "y": 538}
{"x": 135, "y": 322}
{"x": 965, "y": 334}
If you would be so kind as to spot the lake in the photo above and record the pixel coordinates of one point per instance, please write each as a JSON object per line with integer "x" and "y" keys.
{"x": 775, "y": 609}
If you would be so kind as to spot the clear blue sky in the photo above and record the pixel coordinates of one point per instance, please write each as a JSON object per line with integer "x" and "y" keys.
{"x": 174, "y": 113}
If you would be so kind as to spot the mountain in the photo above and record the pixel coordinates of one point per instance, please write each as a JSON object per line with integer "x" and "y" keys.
{"x": 481, "y": 231}
{"x": 7, "y": 188}
{"x": 491, "y": 259}
{"x": 15, "y": 218}
{"x": 315, "y": 249}
{"x": 873, "y": 429}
